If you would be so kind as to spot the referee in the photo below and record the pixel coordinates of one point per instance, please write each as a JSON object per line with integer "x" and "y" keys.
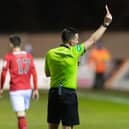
{"x": 61, "y": 64}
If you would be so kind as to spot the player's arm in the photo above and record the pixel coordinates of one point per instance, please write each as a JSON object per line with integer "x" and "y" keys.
{"x": 3, "y": 74}
{"x": 100, "y": 31}
{"x": 35, "y": 94}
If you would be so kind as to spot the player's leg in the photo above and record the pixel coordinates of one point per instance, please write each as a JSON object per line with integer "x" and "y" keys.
{"x": 21, "y": 116}
{"x": 26, "y": 95}
{"x": 18, "y": 100}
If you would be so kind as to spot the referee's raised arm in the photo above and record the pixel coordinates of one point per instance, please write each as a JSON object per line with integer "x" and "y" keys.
{"x": 100, "y": 31}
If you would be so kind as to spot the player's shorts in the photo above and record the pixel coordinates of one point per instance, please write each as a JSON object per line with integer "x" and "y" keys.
{"x": 20, "y": 99}
{"x": 63, "y": 107}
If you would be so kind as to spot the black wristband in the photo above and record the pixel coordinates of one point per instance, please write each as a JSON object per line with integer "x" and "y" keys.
{"x": 105, "y": 25}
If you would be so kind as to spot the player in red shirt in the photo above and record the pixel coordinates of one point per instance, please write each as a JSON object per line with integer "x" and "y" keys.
{"x": 20, "y": 66}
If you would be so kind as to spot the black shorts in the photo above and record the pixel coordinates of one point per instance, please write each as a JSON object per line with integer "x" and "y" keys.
{"x": 63, "y": 107}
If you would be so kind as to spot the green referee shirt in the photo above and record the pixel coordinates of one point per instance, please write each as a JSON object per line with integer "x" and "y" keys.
{"x": 62, "y": 64}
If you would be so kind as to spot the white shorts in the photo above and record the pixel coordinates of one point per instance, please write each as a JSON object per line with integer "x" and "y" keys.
{"x": 20, "y": 99}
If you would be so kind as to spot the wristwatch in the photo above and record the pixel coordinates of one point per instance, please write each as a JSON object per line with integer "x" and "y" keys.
{"x": 105, "y": 25}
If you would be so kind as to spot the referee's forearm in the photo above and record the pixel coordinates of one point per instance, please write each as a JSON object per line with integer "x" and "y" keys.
{"x": 98, "y": 33}
{"x": 95, "y": 37}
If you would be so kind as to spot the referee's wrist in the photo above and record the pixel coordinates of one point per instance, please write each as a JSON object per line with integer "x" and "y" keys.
{"x": 105, "y": 25}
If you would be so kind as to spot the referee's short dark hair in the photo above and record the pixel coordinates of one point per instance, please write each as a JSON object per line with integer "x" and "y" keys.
{"x": 15, "y": 40}
{"x": 68, "y": 34}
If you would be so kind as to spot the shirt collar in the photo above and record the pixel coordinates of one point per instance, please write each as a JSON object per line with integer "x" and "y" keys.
{"x": 64, "y": 45}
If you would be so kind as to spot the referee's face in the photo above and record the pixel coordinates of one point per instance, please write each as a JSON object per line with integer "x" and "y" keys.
{"x": 75, "y": 39}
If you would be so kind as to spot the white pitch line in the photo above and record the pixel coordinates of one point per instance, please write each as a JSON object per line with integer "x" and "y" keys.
{"x": 109, "y": 98}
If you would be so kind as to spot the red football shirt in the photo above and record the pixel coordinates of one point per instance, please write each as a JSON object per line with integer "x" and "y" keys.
{"x": 21, "y": 66}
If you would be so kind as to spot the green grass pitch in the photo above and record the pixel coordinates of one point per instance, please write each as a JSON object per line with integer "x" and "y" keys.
{"x": 97, "y": 109}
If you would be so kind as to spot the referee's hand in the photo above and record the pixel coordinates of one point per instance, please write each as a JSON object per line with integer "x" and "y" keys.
{"x": 108, "y": 17}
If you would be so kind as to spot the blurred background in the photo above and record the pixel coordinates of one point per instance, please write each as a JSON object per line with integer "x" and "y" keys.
{"x": 40, "y": 22}
{"x": 42, "y": 16}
